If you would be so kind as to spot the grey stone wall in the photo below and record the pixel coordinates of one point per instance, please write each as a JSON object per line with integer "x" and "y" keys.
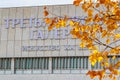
{"x": 12, "y": 40}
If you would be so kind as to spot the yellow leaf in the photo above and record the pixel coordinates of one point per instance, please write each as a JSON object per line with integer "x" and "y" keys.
{"x": 77, "y": 2}
{"x": 94, "y": 47}
{"x": 84, "y": 7}
{"x": 62, "y": 23}
{"x": 114, "y": 57}
{"x": 82, "y": 45}
{"x": 102, "y": 1}
{"x": 116, "y": 72}
{"x": 117, "y": 35}
{"x": 71, "y": 23}
{"x": 95, "y": 28}
{"x": 100, "y": 59}
{"x": 89, "y": 46}
{"x": 104, "y": 33}
{"x": 117, "y": 65}
{"x": 50, "y": 27}
{"x": 46, "y": 13}
{"x": 47, "y": 20}
{"x": 106, "y": 64}
{"x": 95, "y": 51}
{"x": 90, "y": 12}
{"x": 108, "y": 41}
{"x": 57, "y": 26}
{"x": 110, "y": 75}
{"x": 76, "y": 29}
{"x": 93, "y": 62}
{"x": 114, "y": 78}
{"x": 101, "y": 29}
{"x": 97, "y": 5}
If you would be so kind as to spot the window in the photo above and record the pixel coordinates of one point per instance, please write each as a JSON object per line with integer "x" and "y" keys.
{"x": 40, "y": 65}
{"x": 31, "y": 63}
{"x": 70, "y": 63}
{"x": 5, "y": 64}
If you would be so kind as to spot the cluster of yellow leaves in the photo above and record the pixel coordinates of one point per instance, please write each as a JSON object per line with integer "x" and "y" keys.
{"x": 102, "y": 22}
{"x": 114, "y": 51}
{"x": 55, "y": 22}
{"x": 101, "y": 74}
{"x": 93, "y": 74}
{"x": 112, "y": 67}
{"x": 95, "y": 56}
{"x": 83, "y": 33}
{"x": 113, "y": 71}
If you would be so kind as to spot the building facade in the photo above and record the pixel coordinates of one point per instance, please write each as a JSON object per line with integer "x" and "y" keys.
{"x": 28, "y": 51}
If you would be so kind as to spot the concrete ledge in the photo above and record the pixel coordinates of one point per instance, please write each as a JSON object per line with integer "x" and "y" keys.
{"x": 48, "y": 77}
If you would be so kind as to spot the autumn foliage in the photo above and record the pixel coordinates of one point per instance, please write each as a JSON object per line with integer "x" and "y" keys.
{"x": 101, "y": 28}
